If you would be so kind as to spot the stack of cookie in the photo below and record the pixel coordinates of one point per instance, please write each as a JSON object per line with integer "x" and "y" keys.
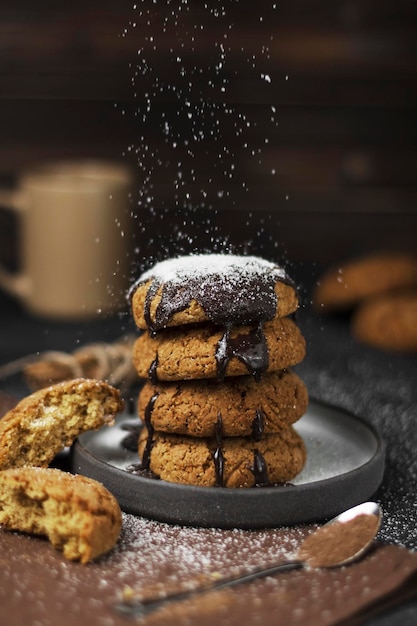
{"x": 220, "y": 400}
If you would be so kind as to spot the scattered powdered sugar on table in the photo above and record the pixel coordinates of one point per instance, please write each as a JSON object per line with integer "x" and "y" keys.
{"x": 150, "y": 558}
{"x": 182, "y": 553}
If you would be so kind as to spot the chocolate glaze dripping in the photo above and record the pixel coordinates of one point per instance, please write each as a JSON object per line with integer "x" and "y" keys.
{"x": 150, "y": 294}
{"x": 250, "y": 348}
{"x": 146, "y": 456}
{"x": 260, "y": 470}
{"x": 152, "y": 371}
{"x": 218, "y": 453}
{"x": 258, "y": 425}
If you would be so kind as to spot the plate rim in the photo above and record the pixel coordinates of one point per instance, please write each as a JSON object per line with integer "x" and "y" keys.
{"x": 373, "y": 469}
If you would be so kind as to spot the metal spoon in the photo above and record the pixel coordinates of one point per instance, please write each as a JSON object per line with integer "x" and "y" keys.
{"x": 342, "y": 540}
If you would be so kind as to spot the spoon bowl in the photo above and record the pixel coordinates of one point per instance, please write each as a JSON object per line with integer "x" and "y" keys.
{"x": 343, "y": 539}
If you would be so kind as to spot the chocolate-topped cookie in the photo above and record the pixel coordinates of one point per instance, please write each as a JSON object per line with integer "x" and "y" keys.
{"x": 245, "y": 406}
{"x": 205, "y": 351}
{"x": 223, "y": 289}
{"x": 224, "y": 461}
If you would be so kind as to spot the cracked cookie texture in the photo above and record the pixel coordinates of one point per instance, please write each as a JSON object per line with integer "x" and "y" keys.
{"x": 192, "y": 352}
{"x": 78, "y": 515}
{"x": 193, "y": 407}
{"x": 191, "y": 460}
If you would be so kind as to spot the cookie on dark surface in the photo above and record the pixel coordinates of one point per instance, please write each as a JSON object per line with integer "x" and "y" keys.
{"x": 232, "y": 462}
{"x": 388, "y": 322}
{"x": 343, "y": 287}
{"x": 193, "y": 407}
{"x": 43, "y": 423}
{"x": 77, "y": 514}
{"x": 219, "y": 288}
{"x": 193, "y": 352}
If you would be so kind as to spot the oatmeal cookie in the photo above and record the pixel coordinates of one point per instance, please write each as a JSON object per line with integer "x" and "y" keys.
{"x": 388, "y": 322}
{"x": 206, "y": 351}
{"x": 77, "y": 514}
{"x": 245, "y": 406}
{"x": 345, "y": 286}
{"x": 233, "y": 462}
{"x": 42, "y": 424}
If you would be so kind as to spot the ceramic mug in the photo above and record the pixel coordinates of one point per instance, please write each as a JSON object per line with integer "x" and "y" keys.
{"x": 74, "y": 233}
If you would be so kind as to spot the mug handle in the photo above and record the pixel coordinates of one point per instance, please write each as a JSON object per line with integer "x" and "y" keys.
{"x": 16, "y": 284}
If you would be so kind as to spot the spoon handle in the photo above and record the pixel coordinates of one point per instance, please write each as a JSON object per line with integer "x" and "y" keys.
{"x": 140, "y": 608}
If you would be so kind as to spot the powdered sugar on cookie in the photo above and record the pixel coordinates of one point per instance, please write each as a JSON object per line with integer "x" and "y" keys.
{"x": 229, "y": 267}
{"x": 224, "y": 289}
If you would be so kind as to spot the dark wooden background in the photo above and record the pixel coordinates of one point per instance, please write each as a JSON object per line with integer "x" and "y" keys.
{"x": 344, "y": 87}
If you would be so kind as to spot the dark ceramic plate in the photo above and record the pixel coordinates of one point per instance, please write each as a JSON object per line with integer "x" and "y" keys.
{"x": 344, "y": 467}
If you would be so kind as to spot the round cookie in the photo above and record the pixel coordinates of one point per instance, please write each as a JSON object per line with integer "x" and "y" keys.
{"x": 244, "y": 405}
{"x": 242, "y": 462}
{"x": 345, "y": 286}
{"x": 77, "y": 514}
{"x": 219, "y": 288}
{"x": 204, "y": 351}
{"x": 42, "y": 424}
{"x": 388, "y": 322}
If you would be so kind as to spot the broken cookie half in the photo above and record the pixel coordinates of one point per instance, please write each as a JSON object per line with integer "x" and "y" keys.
{"x": 77, "y": 514}
{"x": 44, "y": 423}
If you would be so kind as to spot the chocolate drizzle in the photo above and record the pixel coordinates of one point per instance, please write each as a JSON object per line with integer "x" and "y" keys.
{"x": 153, "y": 377}
{"x": 146, "y": 456}
{"x": 260, "y": 470}
{"x": 218, "y": 455}
{"x": 259, "y": 467}
{"x": 250, "y": 348}
{"x": 258, "y": 425}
